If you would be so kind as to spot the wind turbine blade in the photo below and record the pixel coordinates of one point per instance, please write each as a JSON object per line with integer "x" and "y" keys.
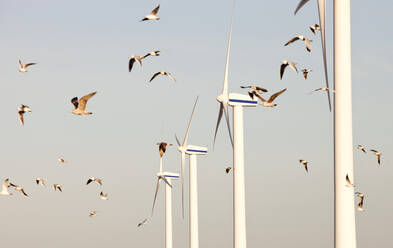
{"x": 177, "y": 140}
{"x": 189, "y": 123}
{"x": 225, "y": 106}
{"x": 155, "y": 195}
{"x": 220, "y": 112}
{"x": 300, "y": 5}
{"x": 322, "y": 14}
{"x": 183, "y": 161}
{"x": 225, "y": 85}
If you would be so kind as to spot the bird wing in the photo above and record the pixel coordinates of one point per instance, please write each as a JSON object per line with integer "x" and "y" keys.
{"x": 308, "y": 45}
{"x": 293, "y": 66}
{"x": 305, "y": 74}
{"x": 300, "y": 5}
{"x": 89, "y": 181}
{"x": 75, "y": 102}
{"x": 282, "y": 69}
{"x": 274, "y": 96}
{"x": 261, "y": 89}
{"x": 259, "y": 96}
{"x": 379, "y": 158}
{"x": 29, "y": 64}
{"x": 292, "y": 40}
{"x": 84, "y": 99}
{"x": 312, "y": 29}
{"x": 373, "y": 150}
{"x": 130, "y": 64}
{"x": 171, "y": 77}
{"x": 155, "y": 75}
{"x": 23, "y": 192}
{"x": 20, "y": 114}
{"x": 20, "y": 63}
{"x": 59, "y": 188}
{"x": 155, "y": 11}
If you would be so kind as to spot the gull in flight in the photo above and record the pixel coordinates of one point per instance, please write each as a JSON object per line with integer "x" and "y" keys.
{"x": 23, "y": 67}
{"x": 39, "y": 181}
{"x": 362, "y": 148}
{"x": 57, "y": 187}
{"x": 323, "y": 89}
{"x": 4, "y": 188}
{"x": 80, "y": 105}
{"x": 142, "y": 223}
{"x": 349, "y": 183}
{"x": 93, "y": 214}
{"x": 103, "y": 196}
{"x": 304, "y": 163}
{"x": 360, "y": 204}
{"x": 21, "y": 111}
{"x": 163, "y": 73}
{"x": 314, "y": 28}
{"x": 305, "y": 72}
{"x": 254, "y": 87}
{"x": 284, "y": 64}
{"x": 61, "y": 160}
{"x": 269, "y": 103}
{"x": 300, "y": 37}
{"x": 162, "y": 147}
{"x": 19, "y": 188}
{"x": 152, "y": 15}
{"x": 378, "y": 154}
{"x": 228, "y": 169}
{"x": 94, "y": 179}
{"x": 138, "y": 59}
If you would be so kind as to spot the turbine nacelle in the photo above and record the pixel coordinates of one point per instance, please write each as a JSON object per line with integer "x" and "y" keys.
{"x": 196, "y": 150}
{"x": 236, "y": 99}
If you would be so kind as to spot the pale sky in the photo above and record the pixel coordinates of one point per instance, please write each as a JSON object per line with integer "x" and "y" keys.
{"x": 83, "y": 46}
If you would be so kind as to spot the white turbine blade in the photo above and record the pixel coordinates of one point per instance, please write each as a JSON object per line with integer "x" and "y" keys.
{"x": 300, "y": 5}
{"x": 183, "y": 161}
{"x": 225, "y": 106}
{"x": 225, "y": 85}
{"x": 189, "y": 123}
{"x": 177, "y": 140}
{"x": 322, "y": 13}
{"x": 220, "y": 112}
{"x": 155, "y": 195}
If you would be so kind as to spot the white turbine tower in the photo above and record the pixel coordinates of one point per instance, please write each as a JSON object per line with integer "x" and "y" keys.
{"x": 192, "y": 151}
{"x": 167, "y": 177}
{"x": 237, "y": 101}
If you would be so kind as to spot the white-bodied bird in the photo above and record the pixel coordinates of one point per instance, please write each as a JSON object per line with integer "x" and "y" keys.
{"x": 4, "y": 188}
{"x": 269, "y": 102}
{"x": 23, "y": 67}
{"x": 163, "y": 73}
{"x": 152, "y": 15}
{"x": 378, "y": 155}
{"x": 80, "y": 106}
{"x": 94, "y": 179}
{"x": 314, "y": 28}
{"x": 21, "y": 111}
{"x": 284, "y": 64}
{"x": 300, "y": 37}
{"x": 304, "y": 163}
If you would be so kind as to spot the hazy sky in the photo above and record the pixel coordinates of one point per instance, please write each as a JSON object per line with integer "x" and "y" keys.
{"x": 83, "y": 46}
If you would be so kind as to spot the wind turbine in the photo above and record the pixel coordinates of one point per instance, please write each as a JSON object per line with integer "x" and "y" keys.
{"x": 167, "y": 177}
{"x": 192, "y": 151}
{"x": 237, "y": 101}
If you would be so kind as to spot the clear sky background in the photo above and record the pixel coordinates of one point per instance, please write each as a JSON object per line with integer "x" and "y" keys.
{"x": 83, "y": 46}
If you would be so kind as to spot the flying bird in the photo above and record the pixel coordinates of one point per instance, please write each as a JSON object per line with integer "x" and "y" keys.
{"x": 378, "y": 154}
{"x": 21, "y": 111}
{"x": 94, "y": 179}
{"x": 142, "y": 222}
{"x": 228, "y": 169}
{"x": 163, "y": 73}
{"x": 41, "y": 181}
{"x": 305, "y": 72}
{"x": 57, "y": 187}
{"x": 4, "y": 188}
{"x": 103, "y": 196}
{"x": 61, "y": 160}
{"x": 323, "y": 89}
{"x": 80, "y": 105}
{"x": 360, "y": 204}
{"x": 269, "y": 103}
{"x": 93, "y": 214}
{"x": 19, "y": 188}
{"x": 349, "y": 183}
{"x": 23, "y": 67}
{"x": 133, "y": 59}
{"x": 152, "y": 15}
{"x": 254, "y": 87}
{"x": 300, "y": 37}
{"x": 162, "y": 147}
{"x": 314, "y": 28}
{"x": 284, "y": 64}
{"x": 304, "y": 163}
{"x": 152, "y": 53}
{"x": 362, "y": 148}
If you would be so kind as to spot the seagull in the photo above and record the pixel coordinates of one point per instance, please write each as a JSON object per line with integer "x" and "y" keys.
{"x": 80, "y": 105}
{"x": 61, "y": 160}
{"x": 305, "y": 72}
{"x": 93, "y": 214}
{"x": 165, "y": 74}
{"x": 40, "y": 181}
{"x": 23, "y": 67}
{"x": 142, "y": 222}
{"x": 152, "y": 53}
{"x": 4, "y": 188}
{"x": 305, "y": 163}
{"x": 103, "y": 196}
{"x": 57, "y": 187}
{"x": 228, "y": 169}
{"x": 162, "y": 147}
{"x": 269, "y": 103}
{"x": 152, "y": 15}
{"x": 254, "y": 87}
{"x": 19, "y": 188}
{"x": 314, "y": 28}
{"x": 378, "y": 154}
{"x": 284, "y": 64}
{"x": 349, "y": 183}
{"x": 133, "y": 59}
{"x": 21, "y": 111}
{"x": 93, "y": 179}
{"x": 360, "y": 204}
{"x": 323, "y": 89}
{"x": 362, "y": 148}
{"x": 300, "y": 37}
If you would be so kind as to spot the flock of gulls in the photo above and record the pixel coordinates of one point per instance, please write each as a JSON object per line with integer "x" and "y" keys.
{"x": 253, "y": 91}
